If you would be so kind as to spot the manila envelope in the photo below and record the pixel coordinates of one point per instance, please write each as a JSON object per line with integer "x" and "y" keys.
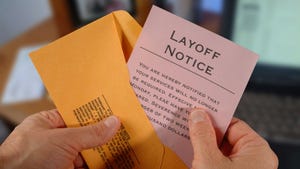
{"x": 86, "y": 76}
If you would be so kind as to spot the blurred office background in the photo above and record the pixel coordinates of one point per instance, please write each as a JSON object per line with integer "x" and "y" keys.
{"x": 17, "y": 17}
{"x": 271, "y": 103}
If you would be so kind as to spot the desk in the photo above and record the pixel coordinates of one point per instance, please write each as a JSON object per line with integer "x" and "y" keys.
{"x": 42, "y": 33}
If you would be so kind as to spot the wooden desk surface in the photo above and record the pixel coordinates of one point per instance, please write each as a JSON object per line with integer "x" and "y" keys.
{"x": 43, "y": 33}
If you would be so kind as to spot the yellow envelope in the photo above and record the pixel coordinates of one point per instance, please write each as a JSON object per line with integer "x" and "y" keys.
{"x": 86, "y": 75}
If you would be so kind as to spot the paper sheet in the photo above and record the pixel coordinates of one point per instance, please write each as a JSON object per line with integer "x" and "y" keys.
{"x": 177, "y": 65}
{"x": 24, "y": 83}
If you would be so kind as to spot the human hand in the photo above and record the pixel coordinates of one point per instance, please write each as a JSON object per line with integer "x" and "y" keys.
{"x": 242, "y": 148}
{"x": 42, "y": 141}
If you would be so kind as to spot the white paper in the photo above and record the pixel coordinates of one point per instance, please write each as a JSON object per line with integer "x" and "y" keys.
{"x": 24, "y": 83}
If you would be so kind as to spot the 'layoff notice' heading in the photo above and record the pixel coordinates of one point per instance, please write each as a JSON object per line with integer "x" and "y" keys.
{"x": 195, "y": 63}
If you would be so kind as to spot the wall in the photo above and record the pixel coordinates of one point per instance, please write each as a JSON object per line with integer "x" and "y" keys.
{"x": 17, "y": 16}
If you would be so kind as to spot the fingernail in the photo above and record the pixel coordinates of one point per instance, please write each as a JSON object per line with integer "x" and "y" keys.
{"x": 111, "y": 121}
{"x": 197, "y": 116}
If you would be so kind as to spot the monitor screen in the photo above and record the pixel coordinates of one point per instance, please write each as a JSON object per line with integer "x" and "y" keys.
{"x": 271, "y": 28}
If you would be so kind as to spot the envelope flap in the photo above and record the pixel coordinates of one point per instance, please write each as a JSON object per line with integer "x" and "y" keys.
{"x": 130, "y": 31}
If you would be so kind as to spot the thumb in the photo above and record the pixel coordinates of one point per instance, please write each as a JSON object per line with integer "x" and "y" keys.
{"x": 202, "y": 134}
{"x": 93, "y": 135}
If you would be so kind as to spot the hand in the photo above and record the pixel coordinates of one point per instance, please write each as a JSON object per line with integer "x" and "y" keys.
{"x": 242, "y": 148}
{"x": 42, "y": 141}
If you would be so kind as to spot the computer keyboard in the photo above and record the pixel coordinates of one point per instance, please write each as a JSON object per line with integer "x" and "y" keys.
{"x": 275, "y": 117}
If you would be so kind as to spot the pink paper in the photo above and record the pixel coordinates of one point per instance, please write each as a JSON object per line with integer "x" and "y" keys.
{"x": 177, "y": 65}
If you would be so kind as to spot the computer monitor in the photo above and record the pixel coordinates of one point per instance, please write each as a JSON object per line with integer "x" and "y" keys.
{"x": 272, "y": 30}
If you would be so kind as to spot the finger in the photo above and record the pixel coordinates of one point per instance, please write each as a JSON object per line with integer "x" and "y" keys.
{"x": 79, "y": 162}
{"x": 226, "y": 148}
{"x": 46, "y": 119}
{"x": 240, "y": 134}
{"x": 202, "y": 134}
{"x": 93, "y": 135}
{"x": 54, "y": 118}
{"x": 246, "y": 142}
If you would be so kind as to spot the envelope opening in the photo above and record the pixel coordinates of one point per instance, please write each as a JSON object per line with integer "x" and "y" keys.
{"x": 126, "y": 47}
{"x": 128, "y": 30}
